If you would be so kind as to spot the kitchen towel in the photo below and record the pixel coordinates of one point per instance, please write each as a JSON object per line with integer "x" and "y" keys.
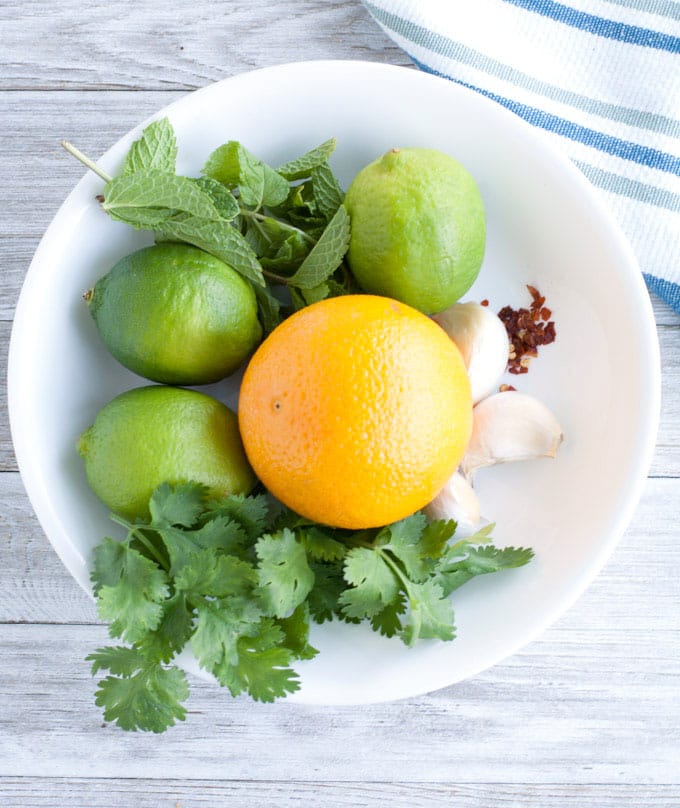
{"x": 601, "y": 77}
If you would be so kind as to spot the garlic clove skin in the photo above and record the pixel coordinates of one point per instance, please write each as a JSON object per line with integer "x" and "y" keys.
{"x": 482, "y": 341}
{"x": 510, "y": 426}
{"x": 456, "y": 501}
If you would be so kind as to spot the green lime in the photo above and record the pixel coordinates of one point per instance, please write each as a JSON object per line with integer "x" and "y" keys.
{"x": 175, "y": 314}
{"x": 418, "y": 228}
{"x": 156, "y": 434}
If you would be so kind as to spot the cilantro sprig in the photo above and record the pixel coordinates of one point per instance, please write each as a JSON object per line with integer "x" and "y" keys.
{"x": 281, "y": 227}
{"x": 239, "y": 583}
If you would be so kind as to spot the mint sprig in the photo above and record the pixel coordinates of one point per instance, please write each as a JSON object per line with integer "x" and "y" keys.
{"x": 238, "y": 584}
{"x": 282, "y": 227}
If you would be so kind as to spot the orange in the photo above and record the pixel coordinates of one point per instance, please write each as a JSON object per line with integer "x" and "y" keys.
{"x": 355, "y": 411}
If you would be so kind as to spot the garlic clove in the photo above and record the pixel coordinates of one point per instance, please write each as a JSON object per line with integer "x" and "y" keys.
{"x": 510, "y": 426}
{"x": 483, "y": 342}
{"x": 456, "y": 501}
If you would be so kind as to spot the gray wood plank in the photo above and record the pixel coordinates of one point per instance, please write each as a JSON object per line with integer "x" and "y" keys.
{"x": 156, "y": 45}
{"x": 548, "y": 715}
{"x": 46, "y": 792}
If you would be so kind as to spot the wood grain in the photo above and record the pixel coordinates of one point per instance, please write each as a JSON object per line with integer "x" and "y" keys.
{"x": 182, "y": 45}
{"x": 45, "y": 792}
{"x": 553, "y": 713}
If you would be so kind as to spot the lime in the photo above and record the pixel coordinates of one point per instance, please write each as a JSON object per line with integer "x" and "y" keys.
{"x": 155, "y": 434}
{"x": 175, "y": 314}
{"x": 418, "y": 228}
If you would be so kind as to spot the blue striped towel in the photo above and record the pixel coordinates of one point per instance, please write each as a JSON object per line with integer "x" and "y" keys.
{"x": 601, "y": 77}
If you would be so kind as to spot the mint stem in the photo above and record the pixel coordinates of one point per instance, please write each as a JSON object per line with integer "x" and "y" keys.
{"x": 71, "y": 149}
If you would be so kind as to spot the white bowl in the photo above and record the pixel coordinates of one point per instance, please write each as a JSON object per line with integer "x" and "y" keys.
{"x": 545, "y": 227}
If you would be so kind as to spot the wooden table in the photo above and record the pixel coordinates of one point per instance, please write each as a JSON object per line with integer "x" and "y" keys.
{"x": 588, "y": 714}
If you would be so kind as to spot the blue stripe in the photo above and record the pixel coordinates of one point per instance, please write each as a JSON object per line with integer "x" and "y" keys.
{"x": 610, "y": 29}
{"x": 666, "y": 290}
{"x": 643, "y": 155}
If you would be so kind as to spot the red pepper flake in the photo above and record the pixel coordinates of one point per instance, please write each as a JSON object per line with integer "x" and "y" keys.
{"x": 507, "y": 388}
{"x": 484, "y": 302}
{"x": 527, "y": 330}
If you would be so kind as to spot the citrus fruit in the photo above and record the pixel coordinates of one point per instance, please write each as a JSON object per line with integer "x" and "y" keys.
{"x": 418, "y": 228}
{"x": 175, "y": 314}
{"x": 155, "y": 434}
{"x": 355, "y": 411}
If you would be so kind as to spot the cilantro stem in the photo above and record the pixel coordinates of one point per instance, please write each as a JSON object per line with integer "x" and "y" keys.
{"x": 71, "y": 149}
{"x": 137, "y": 533}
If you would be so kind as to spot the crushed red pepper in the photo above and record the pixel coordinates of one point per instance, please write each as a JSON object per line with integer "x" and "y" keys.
{"x": 527, "y": 330}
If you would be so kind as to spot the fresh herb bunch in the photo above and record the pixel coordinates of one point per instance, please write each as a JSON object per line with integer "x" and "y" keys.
{"x": 276, "y": 227}
{"x": 238, "y": 582}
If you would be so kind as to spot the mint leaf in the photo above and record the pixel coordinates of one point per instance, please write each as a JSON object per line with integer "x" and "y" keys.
{"x": 222, "y": 198}
{"x": 302, "y": 166}
{"x": 149, "y": 699}
{"x": 133, "y": 605}
{"x": 233, "y": 165}
{"x": 285, "y": 578}
{"x": 327, "y": 253}
{"x": 145, "y": 200}
{"x": 156, "y": 150}
{"x": 327, "y": 192}
{"x": 179, "y": 504}
{"x": 268, "y": 309}
{"x": 217, "y": 237}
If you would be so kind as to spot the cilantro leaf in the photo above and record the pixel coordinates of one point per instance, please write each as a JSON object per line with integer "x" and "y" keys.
{"x": 302, "y": 167}
{"x": 179, "y": 504}
{"x": 373, "y": 584}
{"x": 320, "y": 546}
{"x": 327, "y": 253}
{"x": 285, "y": 578}
{"x": 118, "y": 659}
{"x": 404, "y": 542}
{"x": 133, "y": 604}
{"x": 324, "y": 597}
{"x": 296, "y": 632}
{"x": 262, "y": 668}
{"x": 149, "y": 699}
{"x": 220, "y": 533}
{"x": 456, "y": 570}
{"x": 388, "y": 621}
{"x": 251, "y": 513}
{"x": 156, "y": 150}
{"x": 430, "y": 614}
{"x": 108, "y": 563}
{"x": 219, "y": 624}
{"x": 173, "y": 631}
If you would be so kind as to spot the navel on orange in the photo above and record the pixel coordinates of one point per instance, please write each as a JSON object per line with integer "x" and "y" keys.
{"x": 355, "y": 411}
